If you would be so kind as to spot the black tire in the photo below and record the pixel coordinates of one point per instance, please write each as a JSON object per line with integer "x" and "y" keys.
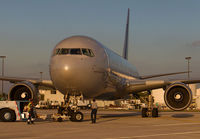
{"x": 7, "y": 115}
{"x": 76, "y": 117}
{"x": 144, "y": 112}
{"x": 60, "y": 119}
{"x": 71, "y": 118}
{"x": 155, "y": 112}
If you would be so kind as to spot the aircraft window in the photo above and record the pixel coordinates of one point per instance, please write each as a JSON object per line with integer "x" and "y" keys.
{"x": 85, "y": 52}
{"x": 88, "y": 52}
{"x": 57, "y": 51}
{"x": 75, "y": 51}
{"x": 64, "y": 51}
{"x": 91, "y": 53}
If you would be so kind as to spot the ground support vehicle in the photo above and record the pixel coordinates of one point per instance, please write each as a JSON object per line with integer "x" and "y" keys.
{"x": 54, "y": 104}
{"x": 72, "y": 112}
{"x": 84, "y": 105}
{"x": 11, "y": 111}
{"x": 59, "y": 118}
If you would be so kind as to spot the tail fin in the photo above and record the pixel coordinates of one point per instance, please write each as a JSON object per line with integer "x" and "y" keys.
{"x": 125, "y": 51}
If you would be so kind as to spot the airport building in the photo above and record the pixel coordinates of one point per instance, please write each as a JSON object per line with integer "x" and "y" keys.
{"x": 51, "y": 95}
{"x": 158, "y": 95}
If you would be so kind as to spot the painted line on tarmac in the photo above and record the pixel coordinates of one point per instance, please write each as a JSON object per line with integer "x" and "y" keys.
{"x": 156, "y": 135}
{"x": 177, "y": 124}
{"x": 28, "y": 137}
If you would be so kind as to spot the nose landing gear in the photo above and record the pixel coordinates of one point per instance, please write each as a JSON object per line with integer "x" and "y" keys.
{"x": 69, "y": 109}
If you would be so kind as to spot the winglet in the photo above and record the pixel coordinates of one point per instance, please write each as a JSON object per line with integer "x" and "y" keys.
{"x": 125, "y": 51}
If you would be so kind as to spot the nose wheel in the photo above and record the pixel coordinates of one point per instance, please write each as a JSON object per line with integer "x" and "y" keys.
{"x": 76, "y": 117}
{"x": 72, "y": 111}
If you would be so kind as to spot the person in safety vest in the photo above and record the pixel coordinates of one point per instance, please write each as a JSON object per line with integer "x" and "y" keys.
{"x": 30, "y": 110}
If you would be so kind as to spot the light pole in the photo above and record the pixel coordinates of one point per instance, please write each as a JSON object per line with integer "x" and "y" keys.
{"x": 188, "y": 59}
{"x": 41, "y": 75}
{"x": 2, "y": 71}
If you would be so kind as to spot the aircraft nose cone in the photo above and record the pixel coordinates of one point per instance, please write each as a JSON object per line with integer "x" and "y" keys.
{"x": 85, "y": 71}
{"x": 71, "y": 73}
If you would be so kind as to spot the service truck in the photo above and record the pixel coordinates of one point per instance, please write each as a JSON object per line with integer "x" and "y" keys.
{"x": 11, "y": 111}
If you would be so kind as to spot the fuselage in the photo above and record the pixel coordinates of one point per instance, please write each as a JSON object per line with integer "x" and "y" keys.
{"x": 82, "y": 65}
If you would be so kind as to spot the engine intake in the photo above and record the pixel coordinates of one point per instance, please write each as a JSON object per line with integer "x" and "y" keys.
{"x": 178, "y": 96}
{"x": 23, "y": 91}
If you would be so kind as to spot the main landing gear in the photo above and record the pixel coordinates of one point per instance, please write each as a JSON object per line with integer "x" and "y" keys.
{"x": 149, "y": 111}
{"x": 70, "y": 110}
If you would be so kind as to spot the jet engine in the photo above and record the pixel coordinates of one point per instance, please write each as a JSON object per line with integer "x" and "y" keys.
{"x": 23, "y": 91}
{"x": 178, "y": 96}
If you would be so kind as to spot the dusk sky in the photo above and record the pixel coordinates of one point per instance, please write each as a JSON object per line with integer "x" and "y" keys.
{"x": 162, "y": 32}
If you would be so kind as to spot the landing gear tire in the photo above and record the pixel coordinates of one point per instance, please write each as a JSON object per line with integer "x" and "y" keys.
{"x": 144, "y": 112}
{"x": 7, "y": 115}
{"x": 76, "y": 117}
{"x": 155, "y": 112}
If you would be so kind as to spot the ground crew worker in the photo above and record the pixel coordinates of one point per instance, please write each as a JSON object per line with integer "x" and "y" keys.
{"x": 31, "y": 115}
{"x": 94, "y": 111}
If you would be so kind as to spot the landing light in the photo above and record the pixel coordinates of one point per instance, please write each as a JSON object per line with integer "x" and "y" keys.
{"x": 66, "y": 67}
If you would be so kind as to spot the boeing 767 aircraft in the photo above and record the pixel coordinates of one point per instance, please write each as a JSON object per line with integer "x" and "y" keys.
{"x": 82, "y": 65}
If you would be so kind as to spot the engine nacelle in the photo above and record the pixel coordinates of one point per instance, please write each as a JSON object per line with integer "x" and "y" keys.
{"x": 178, "y": 96}
{"x": 23, "y": 91}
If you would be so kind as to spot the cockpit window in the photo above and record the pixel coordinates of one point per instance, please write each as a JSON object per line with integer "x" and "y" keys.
{"x": 75, "y": 51}
{"x": 87, "y": 52}
{"x": 64, "y": 51}
{"x": 91, "y": 53}
{"x": 57, "y": 51}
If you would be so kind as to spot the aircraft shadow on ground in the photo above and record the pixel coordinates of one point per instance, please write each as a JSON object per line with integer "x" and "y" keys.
{"x": 108, "y": 120}
{"x": 120, "y": 115}
{"x": 183, "y": 115}
{"x": 88, "y": 120}
{"x": 112, "y": 116}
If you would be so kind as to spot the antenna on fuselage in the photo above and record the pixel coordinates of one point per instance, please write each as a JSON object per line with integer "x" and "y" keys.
{"x": 125, "y": 51}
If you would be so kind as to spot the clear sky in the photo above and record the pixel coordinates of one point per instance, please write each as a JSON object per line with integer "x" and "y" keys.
{"x": 162, "y": 32}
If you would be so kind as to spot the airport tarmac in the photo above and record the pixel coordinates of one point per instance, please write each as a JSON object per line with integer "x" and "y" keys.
{"x": 110, "y": 125}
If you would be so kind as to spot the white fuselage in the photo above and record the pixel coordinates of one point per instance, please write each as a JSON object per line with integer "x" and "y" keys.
{"x": 80, "y": 64}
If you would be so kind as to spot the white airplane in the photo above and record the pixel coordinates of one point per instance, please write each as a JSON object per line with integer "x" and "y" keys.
{"x": 82, "y": 65}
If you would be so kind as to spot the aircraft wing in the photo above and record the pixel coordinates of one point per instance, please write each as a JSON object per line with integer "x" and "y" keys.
{"x": 144, "y": 85}
{"x": 159, "y": 75}
{"x": 40, "y": 83}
